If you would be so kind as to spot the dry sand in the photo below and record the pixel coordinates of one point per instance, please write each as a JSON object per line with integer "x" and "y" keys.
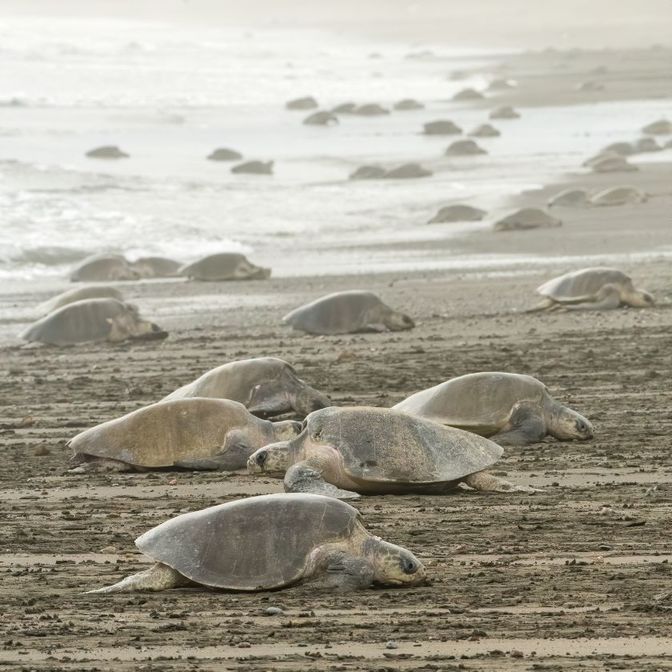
{"x": 575, "y": 576}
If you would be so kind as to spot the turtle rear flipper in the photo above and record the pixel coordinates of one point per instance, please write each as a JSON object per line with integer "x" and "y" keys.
{"x": 302, "y": 478}
{"x": 157, "y": 577}
{"x": 485, "y": 482}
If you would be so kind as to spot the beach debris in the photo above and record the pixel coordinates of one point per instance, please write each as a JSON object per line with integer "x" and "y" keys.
{"x": 347, "y": 312}
{"x": 92, "y": 321}
{"x": 596, "y": 288}
{"x": 458, "y": 213}
{"x": 280, "y": 540}
{"x": 198, "y": 434}
{"x": 339, "y": 453}
{"x": 509, "y": 408}
{"x": 266, "y": 386}
{"x": 224, "y": 266}
{"x": 527, "y": 218}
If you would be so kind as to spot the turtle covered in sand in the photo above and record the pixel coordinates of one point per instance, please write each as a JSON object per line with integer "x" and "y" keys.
{"x": 509, "y": 408}
{"x": 348, "y": 312}
{"x": 156, "y": 267}
{"x": 527, "y": 218}
{"x": 267, "y": 386}
{"x": 345, "y": 452}
{"x": 224, "y": 266}
{"x": 92, "y": 321}
{"x": 619, "y": 196}
{"x": 598, "y": 288}
{"x": 485, "y": 131}
{"x": 464, "y": 148}
{"x": 441, "y": 127}
{"x": 270, "y": 542}
{"x": 570, "y": 198}
{"x": 458, "y": 213}
{"x": 199, "y": 434}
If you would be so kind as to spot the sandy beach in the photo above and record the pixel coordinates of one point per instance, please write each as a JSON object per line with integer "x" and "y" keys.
{"x": 577, "y": 576}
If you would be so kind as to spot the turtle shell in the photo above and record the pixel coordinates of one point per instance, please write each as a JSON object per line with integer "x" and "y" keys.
{"x": 79, "y": 322}
{"x": 258, "y": 543}
{"x": 385, "y": 446}
{"x": 166, "y": 433}
{"x": 478, "y": 402}
{"x": 618, "y": 196}
{"x": 101, "y": 268}
{"x": 586, "y": 282}
{"x": 223, "y": 266}
{"x": 79, "y": 294}
{"x": 337, "y": 313}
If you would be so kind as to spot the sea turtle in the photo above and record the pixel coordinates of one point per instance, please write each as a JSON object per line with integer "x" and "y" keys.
{"x": 619, "y": 196}
{"x": 348, "y": 312}
{"x": 501, "y": 84}
{"x": 267, "y": 386}
{"x": 485, "y": 131}
{"x": 464, "y": 148}
{"x": 184, "y": 433}
{"x": 345, "y": 108}
{"x": 600, "y": 156}
{"x": 78, "y": 294}
{"x": 612, "y": 164}
{"x": 370, "y": 110}
{"x": 254, "y": 168}
{"x": 527, "y": 218}
{"x": 468, "y": 94}
{"x": 509, "y": 408}
{"x": 224, "y": 266}
{"x": 643, "y": 145}
{"x": 321, "y": 118}
{"x": 306, "y": 103}
{"x": 620, "y": 148}
{"x": 407, "y": 171}
{"x": 224, "y": 154}
{"x": 156, "y": 267}
{"x": 106, "y": 152}
{"x": 590, "y": 86}
{"x": 504, "y": 112}
{"x": 91, "y": 321}
{"x": 368, "y": 173}
{"x": 441, "y": 127}
{"x": 343, "y": 452}
{"x": 408, "y": 104}
{"x": 270, "y": 542}
{"x": 103, "y": 268}
{"x": 458, "y": 213}
{"x": 597, "y": 288}
{"x": 570, "y": 198}
{"x": 660, "y": 127}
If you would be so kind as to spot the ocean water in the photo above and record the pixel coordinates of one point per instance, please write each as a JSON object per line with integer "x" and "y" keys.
{"x": 168, "y": 95}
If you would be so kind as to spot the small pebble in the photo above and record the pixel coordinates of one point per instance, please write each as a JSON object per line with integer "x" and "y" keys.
{"x": 274, "y": 611}
{"x": 391, "y": 645}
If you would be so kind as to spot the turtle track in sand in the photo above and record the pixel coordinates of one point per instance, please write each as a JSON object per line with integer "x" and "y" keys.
{"x": 565, "y": 577}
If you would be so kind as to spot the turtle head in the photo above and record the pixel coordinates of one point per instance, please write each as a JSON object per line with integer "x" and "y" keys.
{"x": 393, "y": 565}
{"x": 271, "y": 460}
{"x": 638, "y": 298}
{"x": 568, "y": 425}
{"x": 395, "y": 321}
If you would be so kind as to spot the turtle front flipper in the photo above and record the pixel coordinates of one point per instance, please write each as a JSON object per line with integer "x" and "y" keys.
{"x": 157, "y": 577}
{"x": 485, "y": 482}
{"x": 301, "y": 477}
{"x": 526, "y": 425}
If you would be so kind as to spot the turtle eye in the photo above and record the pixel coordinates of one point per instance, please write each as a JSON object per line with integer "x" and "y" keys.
{"x": 408, "y": 566}
{"x": 581, "y": 426}
{"x": 262, "y": 457}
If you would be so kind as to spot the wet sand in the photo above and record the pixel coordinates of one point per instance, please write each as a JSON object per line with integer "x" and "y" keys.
{"x": 577, "y": 575}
